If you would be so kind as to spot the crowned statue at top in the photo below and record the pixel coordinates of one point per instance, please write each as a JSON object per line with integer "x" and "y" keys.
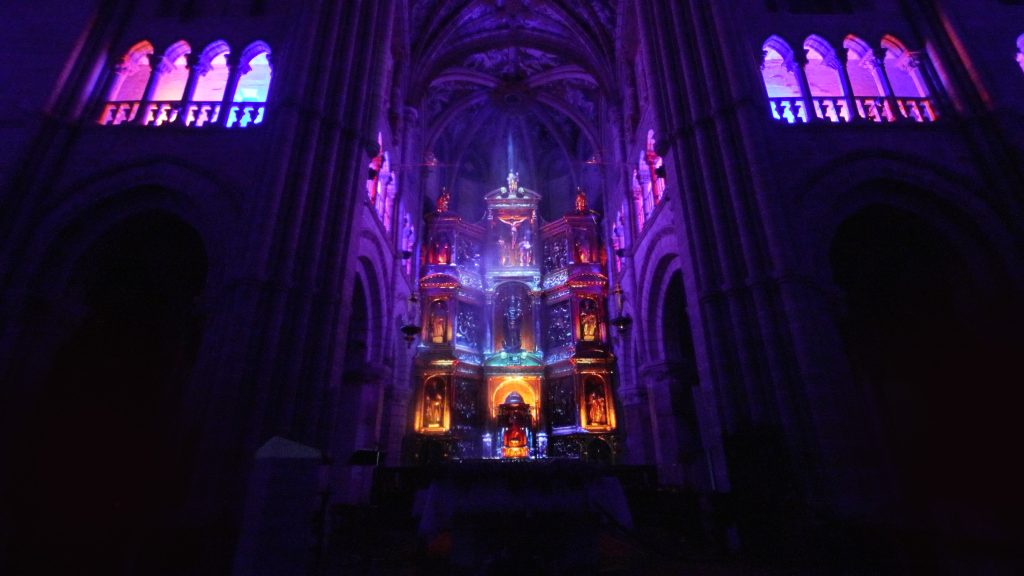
{"x": 444, "y": 200}
{"x": 581, "y": 201}
{"x": 513, "y": 183}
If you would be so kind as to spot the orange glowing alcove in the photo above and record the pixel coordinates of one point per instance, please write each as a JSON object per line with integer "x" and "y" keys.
{"x": 527, "y": 386}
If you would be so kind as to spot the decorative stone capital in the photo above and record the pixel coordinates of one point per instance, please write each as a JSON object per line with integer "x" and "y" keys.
{"x": 123, "y": 67}
{"x": 842, "y": 57}
{"x": 235, "y": 63}
{"x": 875, "y": 60}
{"x": 798, "y": 62}
{"x": 911, "y": 60}
{"x": 195, "y": 63}
{"x": 155, "y": 62}
{"x": 835, "y": 61}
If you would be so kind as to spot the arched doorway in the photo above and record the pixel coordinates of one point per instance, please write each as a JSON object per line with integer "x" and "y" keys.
{"x": 921, "y": 332}
{"x": 105, "y": 464}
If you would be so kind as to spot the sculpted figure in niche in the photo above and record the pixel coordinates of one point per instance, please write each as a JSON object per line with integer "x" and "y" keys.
{"x": 526, "y": 251}
{"x": 513, "y": 183}
{"x": 589, "y": 321}
{"x": 597, "y": 410}
{"x": 433, "y": 404}
{"x": 438, "y": 321}
{"x": 582, "y": 251}
{"x": 408, "y": 234}
{"x": 513, "y": 319}
{"x": 444, "y": 200}
{"x": 442, "y": 250}
{"x": 581, "y": 201}
{"x": 503, "y": 258}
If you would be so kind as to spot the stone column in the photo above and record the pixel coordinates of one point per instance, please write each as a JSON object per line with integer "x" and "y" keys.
{"x": 842, "y": 58}
{"x": 397, "y": 396}
{"x": 156, "y": 65}
{"x": 635, "y": 422}
{"x": 235, "y": 72}
{"x": 195, "y": 71}
{"x": 914, "y": 63}
{"x": 660, "y": 380}
{"x": 538, "y": 310}
{"x": 359, "y": 428}
{"x": 797, "y": 67}
{"x": 877, "y": 63}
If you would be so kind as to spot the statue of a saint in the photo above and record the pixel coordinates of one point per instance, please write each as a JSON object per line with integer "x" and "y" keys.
{"x": 408, "y": 234}
{"x": 582, "y": 251}
{"x": 513, "y": 317}
{"x": 513, "y": 183}
{"x": 442, "y": 251}
{"x": 588, "y": 322}
{"x": 618, "y": 234}
{"x": 525, "y": 252}
{"x": 443, "y": 201}
{"x": 581, "y": 201}
{"x": 438, "y": 321}
{"x": 503, "y": 259}
{"x": 433, "y": 405}
{"x": 596, "y": 410}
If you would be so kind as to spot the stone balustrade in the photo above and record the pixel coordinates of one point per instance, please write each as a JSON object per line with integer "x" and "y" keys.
{"x": 835, "y": 109}
{"x": 188, "y": 114}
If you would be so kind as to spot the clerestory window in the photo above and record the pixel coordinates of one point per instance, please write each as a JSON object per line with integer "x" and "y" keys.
{"x": 856, "y": 83}
{"x": 182, "y": 88}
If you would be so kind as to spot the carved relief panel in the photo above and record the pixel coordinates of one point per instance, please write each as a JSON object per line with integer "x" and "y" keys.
{"x": 556, "y": 253}
{"x": 468, "y": 327}
{"x": 467, "y": 253}
{"x": 559, "y": 331}
{"x": 562, "y": 402}
{"x": 467, "y": 403}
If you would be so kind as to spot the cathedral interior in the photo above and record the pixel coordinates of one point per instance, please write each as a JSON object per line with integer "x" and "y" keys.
{"x": 511, "y": 286}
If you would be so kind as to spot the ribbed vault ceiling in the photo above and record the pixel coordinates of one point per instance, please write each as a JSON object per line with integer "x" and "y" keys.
{"x": 512, "y": 81}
